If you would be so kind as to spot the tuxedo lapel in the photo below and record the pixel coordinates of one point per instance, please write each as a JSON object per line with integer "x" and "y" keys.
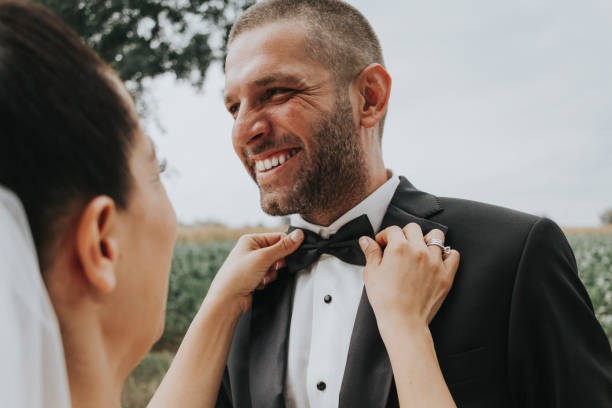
{"x": 368, "y": 375}
{"x": 271, "y": 316}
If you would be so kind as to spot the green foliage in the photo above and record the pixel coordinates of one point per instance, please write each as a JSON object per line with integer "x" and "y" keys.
{"x": 193, "y": 268}
{"x": 606, "y": 217}
{"x": 144, "y": 380}
{"x": 144, "y": 39}
{"x": 594, "y": 258}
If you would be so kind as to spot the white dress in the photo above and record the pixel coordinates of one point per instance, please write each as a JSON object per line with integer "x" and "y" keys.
{"x": 32, "y": 365}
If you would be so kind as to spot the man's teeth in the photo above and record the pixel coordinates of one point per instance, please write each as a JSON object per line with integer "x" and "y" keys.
{"x": 274, "y": 161}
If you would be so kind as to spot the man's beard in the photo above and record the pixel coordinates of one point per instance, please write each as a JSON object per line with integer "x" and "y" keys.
{"x": 334, "y": 171}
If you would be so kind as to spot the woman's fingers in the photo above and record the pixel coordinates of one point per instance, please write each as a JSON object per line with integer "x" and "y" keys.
{"x": 371, "y": 250}
{"x": 280, "y": 245}
{"x": 285, "y": 246}
{"x": 263, "y": 240}
{"x": 271, "y": 274}
{"x": 413, "y": 234}
{"x": 451, "y": 262}
{"x": 435, "y": 234}
{"x": 392, "y": 234}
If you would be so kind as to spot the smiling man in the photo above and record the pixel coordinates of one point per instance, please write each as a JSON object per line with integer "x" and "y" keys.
{"x": 277, "y": 85}
{"x": 307, "y": 87}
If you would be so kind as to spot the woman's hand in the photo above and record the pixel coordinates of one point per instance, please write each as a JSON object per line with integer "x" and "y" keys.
{"x": 407, "y": 283}
{"x": 252, "y": 264}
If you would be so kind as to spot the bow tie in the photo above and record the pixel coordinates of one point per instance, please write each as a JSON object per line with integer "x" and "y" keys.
{"x": 343, "y": 245}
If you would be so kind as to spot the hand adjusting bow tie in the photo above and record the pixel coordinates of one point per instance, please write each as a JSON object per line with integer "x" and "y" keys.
{"x": 343, "y": 245}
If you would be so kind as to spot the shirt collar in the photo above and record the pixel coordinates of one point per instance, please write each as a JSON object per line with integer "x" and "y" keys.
{"x": 374, "y": 206}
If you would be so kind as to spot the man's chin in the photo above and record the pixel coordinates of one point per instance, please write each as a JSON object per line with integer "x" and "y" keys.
{"x": 277, "y": 205}
{"x": 273, "y": 207}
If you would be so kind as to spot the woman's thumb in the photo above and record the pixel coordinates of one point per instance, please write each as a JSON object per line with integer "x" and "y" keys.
{"x": 285, "y": 246}
{"x": 371, "y": 250}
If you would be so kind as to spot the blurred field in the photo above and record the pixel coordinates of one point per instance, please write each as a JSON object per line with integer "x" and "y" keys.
{"x": 603, "y": 230}
{"x": 208, "y": 233}
{"x": 201, "y": 251}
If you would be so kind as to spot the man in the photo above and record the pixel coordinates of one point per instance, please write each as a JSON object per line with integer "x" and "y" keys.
{"x": 307, "y": 87}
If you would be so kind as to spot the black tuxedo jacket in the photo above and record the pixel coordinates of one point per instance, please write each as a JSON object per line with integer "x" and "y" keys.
{"x": 516, "y": 330}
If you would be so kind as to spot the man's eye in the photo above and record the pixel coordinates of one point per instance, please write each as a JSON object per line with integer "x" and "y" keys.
{"x": 277, "y": 91}
{"x": 233, "y": 109}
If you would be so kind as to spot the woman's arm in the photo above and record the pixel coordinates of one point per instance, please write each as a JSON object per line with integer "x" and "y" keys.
{"x": 406, "y": 285}
{"x": 194, "y": 377}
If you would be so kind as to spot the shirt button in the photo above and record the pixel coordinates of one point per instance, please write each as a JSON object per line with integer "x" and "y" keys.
{"x": 327, "y": 299}
{"x": 321, "y": 386}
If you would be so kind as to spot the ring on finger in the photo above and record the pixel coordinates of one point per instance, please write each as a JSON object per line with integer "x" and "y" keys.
{"x": 439, "y": 243}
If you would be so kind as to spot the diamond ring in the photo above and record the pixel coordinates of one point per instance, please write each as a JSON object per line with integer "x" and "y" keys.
{"x": 438, "y": 243}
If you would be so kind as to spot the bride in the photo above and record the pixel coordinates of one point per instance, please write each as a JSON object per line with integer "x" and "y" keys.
{"x": 103, "y": 229}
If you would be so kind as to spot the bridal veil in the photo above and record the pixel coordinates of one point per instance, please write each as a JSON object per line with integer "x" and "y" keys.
{"x": 33, "y": 369}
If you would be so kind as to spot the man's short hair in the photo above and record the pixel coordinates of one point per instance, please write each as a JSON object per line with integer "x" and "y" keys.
{"x": 338, "y": 35}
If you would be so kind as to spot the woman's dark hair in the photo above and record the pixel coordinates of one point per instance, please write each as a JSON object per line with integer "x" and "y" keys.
{"x": 65, "y": 131}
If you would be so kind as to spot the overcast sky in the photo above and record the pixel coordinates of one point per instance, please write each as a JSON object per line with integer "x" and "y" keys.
{"x": 508, "y": 103}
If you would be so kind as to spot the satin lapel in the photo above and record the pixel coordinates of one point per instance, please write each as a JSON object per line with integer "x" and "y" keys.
{"x": 368, "y": 375}
{"x": 396, "y": 216}
{"x": 271, "y": 316}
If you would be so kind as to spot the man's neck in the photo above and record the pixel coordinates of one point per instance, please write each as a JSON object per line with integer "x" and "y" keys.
{"x": 326, "y": 216}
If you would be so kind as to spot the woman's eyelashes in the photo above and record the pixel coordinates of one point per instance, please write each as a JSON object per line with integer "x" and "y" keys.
{"x": 162, "y": 165}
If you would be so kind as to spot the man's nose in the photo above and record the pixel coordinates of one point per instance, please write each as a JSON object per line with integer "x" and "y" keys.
{"x": 248, "y": 127}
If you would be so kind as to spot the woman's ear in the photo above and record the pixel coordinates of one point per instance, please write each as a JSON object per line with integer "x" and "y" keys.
{"x": 97, "y": 245}
{"x": 374, "y": 84}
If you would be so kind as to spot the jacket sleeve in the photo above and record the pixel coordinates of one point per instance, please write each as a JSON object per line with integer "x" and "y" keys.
{"x": 224, "y": 399}
{"x": 558, "y": 354}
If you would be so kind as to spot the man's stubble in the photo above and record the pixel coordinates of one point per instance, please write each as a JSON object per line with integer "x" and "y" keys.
{"x": 334, "y": 173}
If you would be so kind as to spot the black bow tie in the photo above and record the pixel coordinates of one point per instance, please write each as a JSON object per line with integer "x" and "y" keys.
{"x": 343, "y": 245}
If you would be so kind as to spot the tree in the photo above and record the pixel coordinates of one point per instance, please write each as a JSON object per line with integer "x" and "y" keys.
{"x": 143, "y": 39}
{"x": 606, "y": 216}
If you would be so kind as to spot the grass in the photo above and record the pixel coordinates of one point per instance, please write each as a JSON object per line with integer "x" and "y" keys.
{"x": 199, "y": 254}
{"x": 144, "y": 380}
{"x": 210, "y": 233}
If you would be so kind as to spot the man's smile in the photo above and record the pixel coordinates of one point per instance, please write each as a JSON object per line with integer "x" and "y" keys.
{"x": 274, "y": 160}
{"x": 270, "y": 166}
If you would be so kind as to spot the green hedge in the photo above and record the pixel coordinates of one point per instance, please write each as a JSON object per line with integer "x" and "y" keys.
{"x": 194, "y": 266}
{"x": 594, "y": 258}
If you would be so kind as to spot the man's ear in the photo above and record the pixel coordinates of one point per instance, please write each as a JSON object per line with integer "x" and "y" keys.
{"x": 96, "y": 243}
{"x": 374, "y": 84}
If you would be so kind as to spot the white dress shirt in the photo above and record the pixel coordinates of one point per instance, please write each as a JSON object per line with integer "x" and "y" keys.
{"x": 325, "y": 301}
{"x": 33, "y": 370}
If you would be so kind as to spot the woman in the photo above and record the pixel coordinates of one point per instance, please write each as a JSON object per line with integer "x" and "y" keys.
{"x": 73, "y": 152}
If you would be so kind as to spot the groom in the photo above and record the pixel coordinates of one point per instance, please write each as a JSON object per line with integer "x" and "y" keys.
{"x": 307, "y": 87}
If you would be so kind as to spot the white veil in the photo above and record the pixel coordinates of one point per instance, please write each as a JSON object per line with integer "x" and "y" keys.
{"x": 32, "y": 365}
